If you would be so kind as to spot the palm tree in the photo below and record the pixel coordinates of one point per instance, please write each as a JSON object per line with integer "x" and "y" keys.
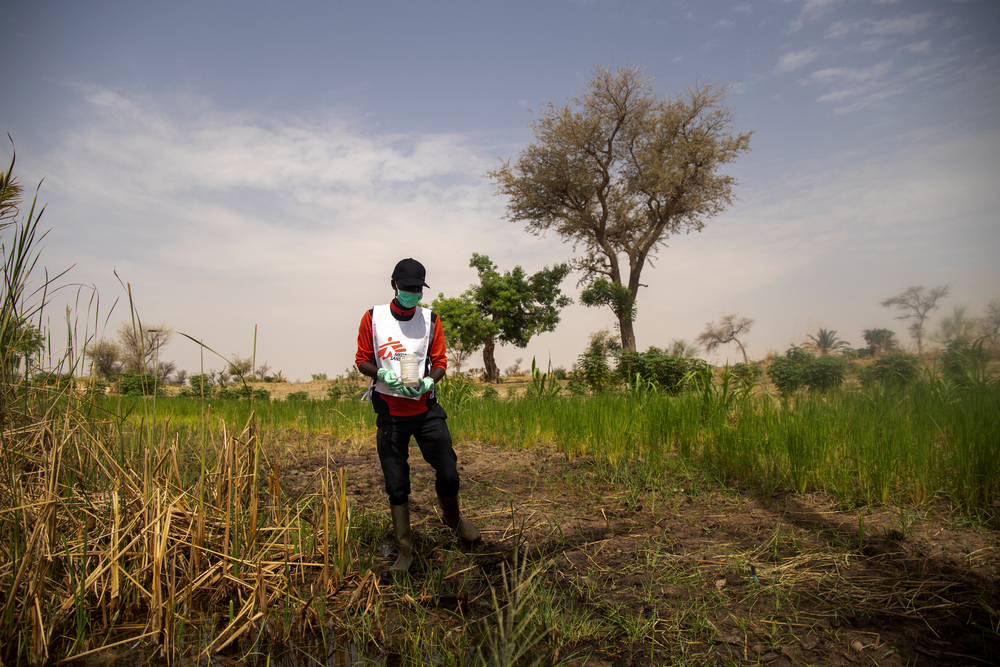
{"x": 826, "y": 343}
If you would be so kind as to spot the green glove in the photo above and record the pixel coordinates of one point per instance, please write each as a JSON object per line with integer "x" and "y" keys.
{"x": 390, "y": 380}
{"x": 426, "y": 385}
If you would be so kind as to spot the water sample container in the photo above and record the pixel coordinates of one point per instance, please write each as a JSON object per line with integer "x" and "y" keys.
{"x": 409, "y": 370}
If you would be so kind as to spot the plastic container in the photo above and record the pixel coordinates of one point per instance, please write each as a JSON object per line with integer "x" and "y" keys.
{"x": 409, "y": 371}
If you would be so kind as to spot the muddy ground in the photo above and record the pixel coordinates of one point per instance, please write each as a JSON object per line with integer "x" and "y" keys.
{"x": 683, "y": 569}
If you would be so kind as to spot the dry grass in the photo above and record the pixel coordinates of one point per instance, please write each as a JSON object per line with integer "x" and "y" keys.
{"x": 100, "y": 543}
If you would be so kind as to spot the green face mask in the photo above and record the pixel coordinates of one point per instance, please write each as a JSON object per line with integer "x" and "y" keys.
{"x": 408, "y": 299}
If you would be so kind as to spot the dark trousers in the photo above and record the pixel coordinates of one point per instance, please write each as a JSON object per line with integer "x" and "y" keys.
{"x": 434, "y": 440}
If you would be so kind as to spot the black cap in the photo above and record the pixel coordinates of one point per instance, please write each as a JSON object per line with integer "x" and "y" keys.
{"x": 410, "y": 273}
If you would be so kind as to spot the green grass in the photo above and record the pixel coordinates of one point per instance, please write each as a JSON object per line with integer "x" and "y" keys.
{"x": 865, "y": 447}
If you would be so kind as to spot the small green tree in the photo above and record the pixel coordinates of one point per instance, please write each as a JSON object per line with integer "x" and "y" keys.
{"x": 201, "y": 384}
{"x": 880, "y": 340}
{"x": 593, "y": 369}
{"x": 23, "y": 341}
{"x": 510, "y": 308}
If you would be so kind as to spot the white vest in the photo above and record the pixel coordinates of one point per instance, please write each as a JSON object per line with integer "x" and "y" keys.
{"x": 392, "y": 338}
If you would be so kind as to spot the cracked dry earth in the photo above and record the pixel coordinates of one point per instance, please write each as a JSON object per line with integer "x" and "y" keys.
{"x": 710, "y": 574}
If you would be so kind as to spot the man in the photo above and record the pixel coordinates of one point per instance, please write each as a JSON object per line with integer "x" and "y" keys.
{"x": 386, "y": 333}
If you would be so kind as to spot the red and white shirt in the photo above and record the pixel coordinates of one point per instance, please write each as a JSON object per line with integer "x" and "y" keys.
{"x": 388, "y": 331}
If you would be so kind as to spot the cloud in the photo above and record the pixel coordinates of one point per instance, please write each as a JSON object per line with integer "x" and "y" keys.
{"x": 793, "y": 60}
{"x": 847, "y": 74}
{"x": 825, "y": 241}
{"x": 866, "y": 85}
{"x": 221, "y": 152}
{"x": 222, "y": 220}
{"x": 918, "y": 47}
{"x": 811, "y": 11}
{"x": 724, "y": 24}
{"x": 902, "y": 25}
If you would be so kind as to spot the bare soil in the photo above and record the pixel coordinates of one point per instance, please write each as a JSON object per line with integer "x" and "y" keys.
{"x": 717, "y": 575}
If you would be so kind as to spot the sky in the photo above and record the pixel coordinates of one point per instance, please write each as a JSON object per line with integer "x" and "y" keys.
{"x": 262, "y": 166}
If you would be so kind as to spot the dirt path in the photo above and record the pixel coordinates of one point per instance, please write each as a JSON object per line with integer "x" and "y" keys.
{"x": 672, "y": 567}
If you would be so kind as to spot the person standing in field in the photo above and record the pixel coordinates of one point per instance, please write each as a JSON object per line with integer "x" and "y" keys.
{"x": 386, "y": 333}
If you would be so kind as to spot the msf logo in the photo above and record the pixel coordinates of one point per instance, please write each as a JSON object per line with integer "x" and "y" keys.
{"x": 391, "y": 350}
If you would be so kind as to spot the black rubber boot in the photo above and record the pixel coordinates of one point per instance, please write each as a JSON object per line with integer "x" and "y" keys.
{"x": 453, "y": 519}
{"x": 401, "y": 529}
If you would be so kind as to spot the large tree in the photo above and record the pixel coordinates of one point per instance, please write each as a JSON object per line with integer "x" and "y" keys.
{"x": 726, "y": 330}
{"x": 916, "y": 303}
{"x": 989, "y": 323}
{"x": 140, "y": 345}
{"x": 105, "y": 358}
{"x": 619, "y": 171}
{"x": 510, "y": 308}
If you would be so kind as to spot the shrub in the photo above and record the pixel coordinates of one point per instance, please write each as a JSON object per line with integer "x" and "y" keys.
{"x": 559, "y": 373}
{"x": 632, "y": 364}
{"x": 335, "y": 391}
{"x": 896, "y": 369}
{"x": 490, "y": 393}
{"x": 962, "y": 359}
{"x": 670, "y": 373}
{"x": 298, "y": 396}
{"x": 967, "y": 365}
{"x": 319, "y": 376}
{"x": 577, "y": 385}
{"x": 139, "y": 384}
{"x": 201, "y": 382}
{"x": 240, "y": 393}
{"x": 95, "y": 387}
{"x": 788, "y": 372}
{"x": 593, "y": 369}
{"x": 824, "y": 373}
{"x": 747, "y": 373}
